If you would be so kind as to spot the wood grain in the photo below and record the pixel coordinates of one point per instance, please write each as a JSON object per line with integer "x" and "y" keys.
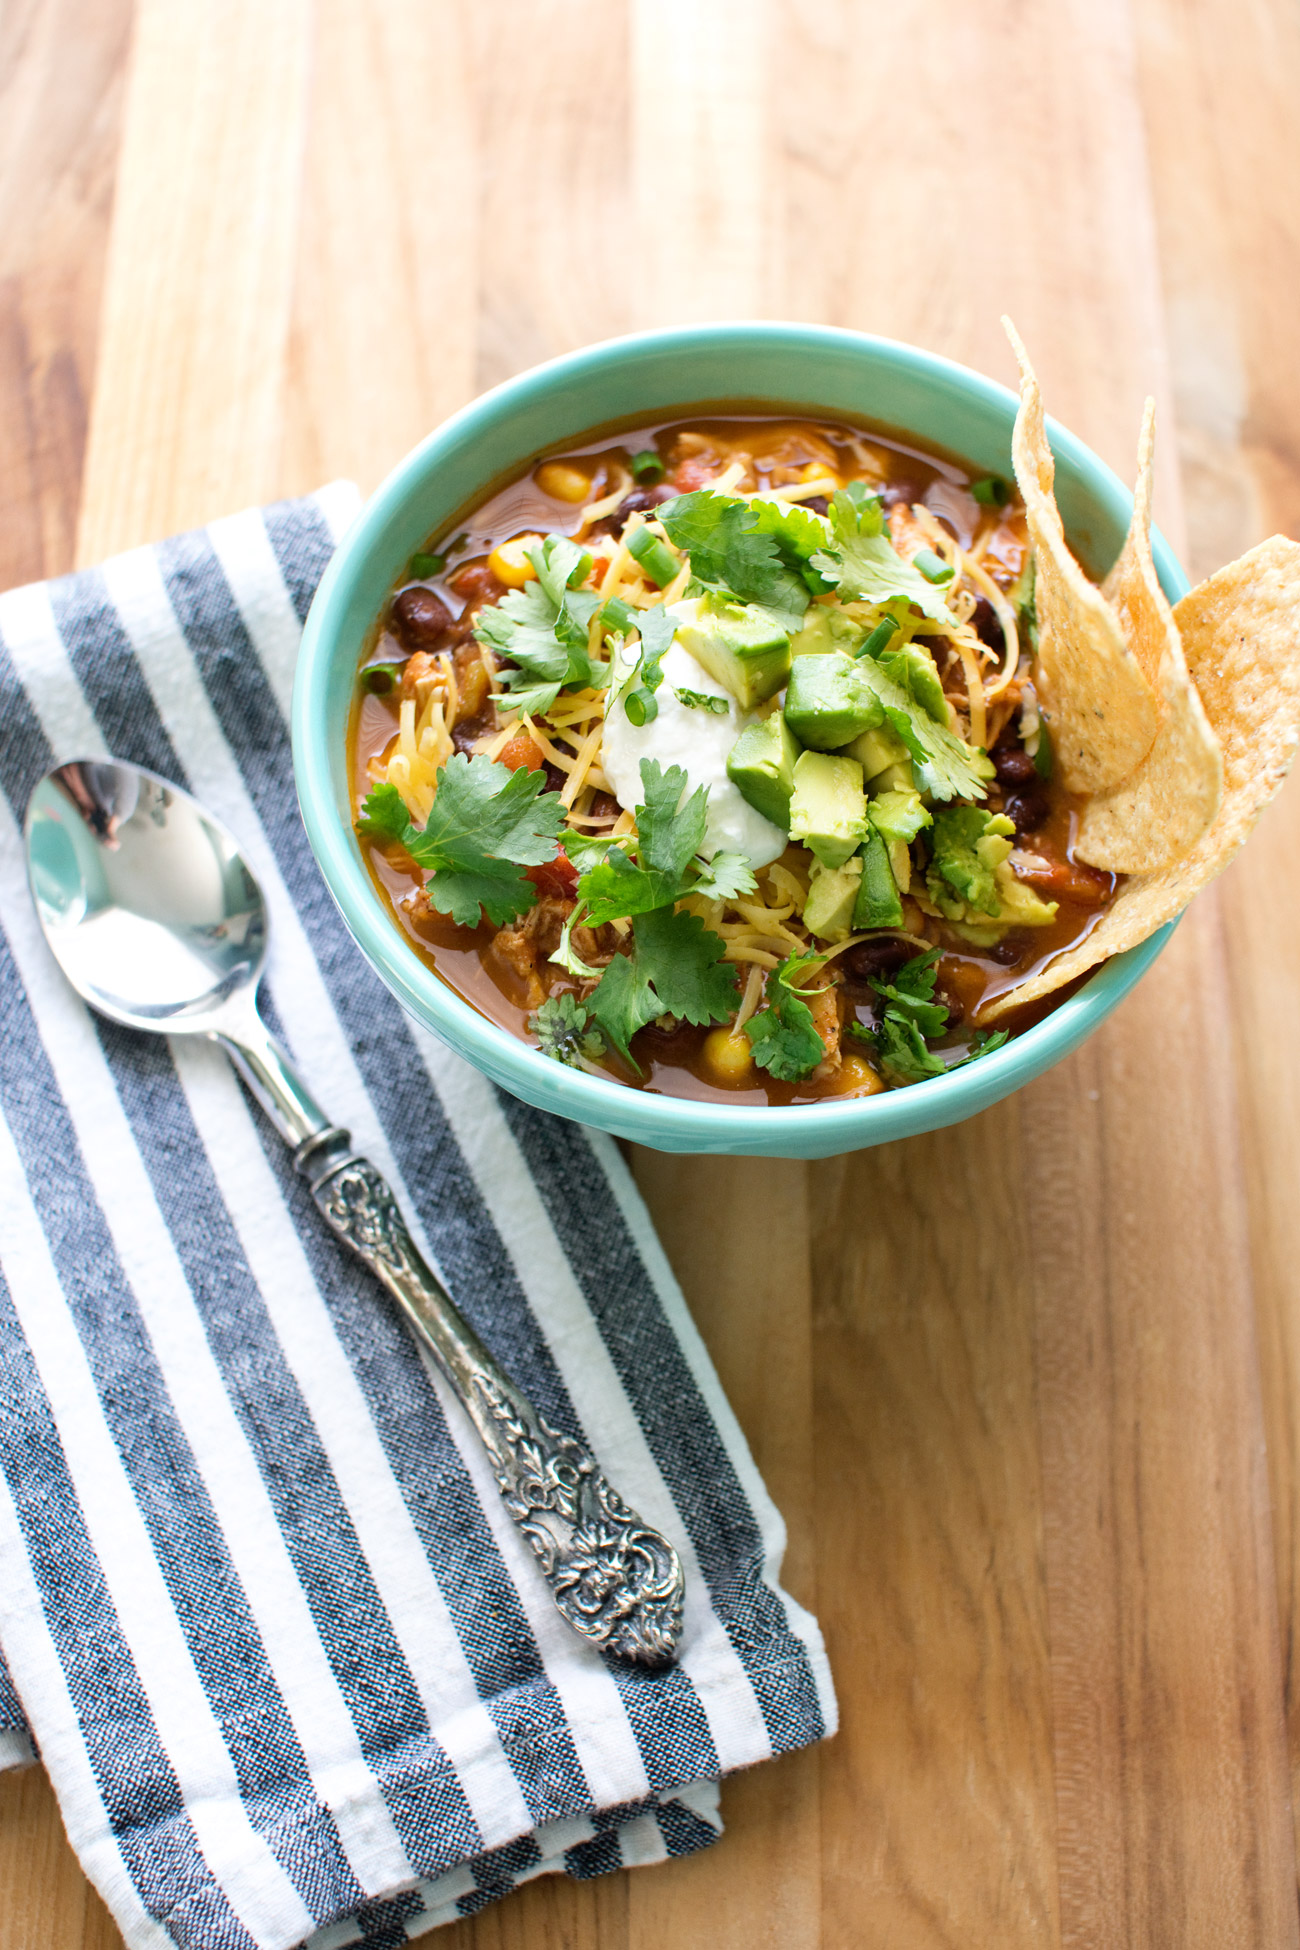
{"x": 1003, "y": 1380}
{"x": 1230, "y": 260}
{"x": 187, "y": 419}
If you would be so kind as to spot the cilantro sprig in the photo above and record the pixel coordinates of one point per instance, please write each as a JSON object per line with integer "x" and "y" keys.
{"x": 862, "y": 564}
{"x": 661, "y": 865}
{"x": 675, "y": 968}
{"x": 755, "y": 551}
{"x": 910, "y": 1020}
{"x": 782, "y": 1034}
{"x": 543, "y": 628}
{"x": 673, "y": 964}
{"x": 486, "y": 825}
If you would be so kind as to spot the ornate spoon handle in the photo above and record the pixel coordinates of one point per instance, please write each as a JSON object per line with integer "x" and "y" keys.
{"x": 614, "y": 1579}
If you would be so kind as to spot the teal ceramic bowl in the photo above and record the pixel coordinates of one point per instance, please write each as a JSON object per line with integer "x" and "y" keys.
{"x": 651, "y": 376}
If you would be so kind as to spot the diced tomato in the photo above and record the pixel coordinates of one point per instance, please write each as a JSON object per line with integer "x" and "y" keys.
{"x": 558, "y": 877}
{"x": 521, "y": 751}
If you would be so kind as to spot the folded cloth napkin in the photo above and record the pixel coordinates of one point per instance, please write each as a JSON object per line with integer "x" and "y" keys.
{"x": 265, "y": 1620}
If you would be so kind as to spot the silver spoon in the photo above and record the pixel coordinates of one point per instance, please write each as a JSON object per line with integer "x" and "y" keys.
{"x": 156, "y": 920}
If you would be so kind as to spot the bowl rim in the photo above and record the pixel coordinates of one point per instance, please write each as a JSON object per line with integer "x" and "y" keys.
{"x": 711, "y": 1124}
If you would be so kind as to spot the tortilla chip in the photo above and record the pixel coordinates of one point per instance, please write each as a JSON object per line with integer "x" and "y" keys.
{"x": 1101, "y": 710}
{"x": 1160, "y": 812}
{"x": 1240, "y": 632}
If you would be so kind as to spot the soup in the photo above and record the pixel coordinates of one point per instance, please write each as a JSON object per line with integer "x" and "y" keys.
{"x": 823, "y": 798}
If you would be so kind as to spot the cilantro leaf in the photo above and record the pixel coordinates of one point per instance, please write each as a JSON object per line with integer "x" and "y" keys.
{"x": 967, "y": 845}
{"x": 908, "y": 996}
{"x": 563, "y": 1030}
{"x": 675, "y": 968}
{"x": 543, "y": 628}
{"x": 945, "y": 767}
{"x": 486, "y": 823}
{"x": 864, "y": 566}
{"x": 730, "y": 550}
{"x": 669, "y": 834}
{"x": 684, "y": 961}
{"x": 723, "y": 877}
{"x": 982, "y": 1043}
{"x": 782, "y": 1035}
{"x": 586, "y": 849}
{"x": 623, "y": 1002}
{"x": 910, "y": 1016}
{"x": 916, "y": 978}
{"x": 902, "y": 1054}
{"x": 617, "y": 887}
{"x": 797, "y": 531}
{"x": 384, "y": 815}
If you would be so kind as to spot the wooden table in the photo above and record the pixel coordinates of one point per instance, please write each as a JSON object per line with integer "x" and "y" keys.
{"x": 1026, "y": 1390}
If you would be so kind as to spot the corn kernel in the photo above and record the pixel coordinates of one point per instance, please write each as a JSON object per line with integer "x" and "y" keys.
{"x": 510, "y": 565}
{"x": 857, "y": 1078}
{"x": 562, "y": 482}
{"x": 728, "y": 1057}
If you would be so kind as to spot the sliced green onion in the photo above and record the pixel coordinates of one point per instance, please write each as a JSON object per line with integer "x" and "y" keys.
{"x": 641, "y": 706}
{"x": 580, "y": 571}
{"x": 876, "y": 642}
{"x": 381, "y": 678}
{"x": 992, "y": 491}
{"x": 655, "y": 557}
{"x": 421, "y": 566}
{"x": 647, "y": 467}
{"x": 932, "y": 566}
{"x": 1043, "y": 752}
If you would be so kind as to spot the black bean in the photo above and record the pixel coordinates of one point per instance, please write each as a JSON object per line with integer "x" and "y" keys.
{"x": 984, "y": 622}
{"x": 1028, "y": 808}
{"x": 1012, "y": 764}
{"x": 1006, "y": 951}
{"x": 879, "y": 957}
{"x": 420, "y": 617}
{"x": 818, "y": 504}
{"x": 641, "y": 500}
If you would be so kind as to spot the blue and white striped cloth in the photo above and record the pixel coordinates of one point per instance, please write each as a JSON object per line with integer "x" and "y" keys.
{"x": 291, "y": 1671}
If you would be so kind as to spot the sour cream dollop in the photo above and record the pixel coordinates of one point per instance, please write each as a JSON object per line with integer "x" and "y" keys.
{"x": 698, "y": 740}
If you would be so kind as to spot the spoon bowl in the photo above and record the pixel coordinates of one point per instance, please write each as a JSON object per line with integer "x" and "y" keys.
{"x": 145, "y": 898}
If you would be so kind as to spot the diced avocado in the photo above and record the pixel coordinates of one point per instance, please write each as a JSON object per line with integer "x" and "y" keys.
{"x": 877, "y": 748}
{"x": 828, "y": 703}
{"x": 898, "y": 815}
{"x": 761, "y": 767}
{"x": 744, "y": 649}
{"x": 914, "y": 670}
{"x": 1018, "y": 907}
{"x": 1021, "y": 906}
{"x": 828, "y": 807}
{"x": 878, "y": 904}
{"x": 832, "y": 895}
{"x": 967, "y": 845}
{"x": 826, "y": 629}
{"x": 895, "y": 778}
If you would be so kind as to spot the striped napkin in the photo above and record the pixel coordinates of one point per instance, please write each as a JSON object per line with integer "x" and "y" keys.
{"x": 265, "y": 1621}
